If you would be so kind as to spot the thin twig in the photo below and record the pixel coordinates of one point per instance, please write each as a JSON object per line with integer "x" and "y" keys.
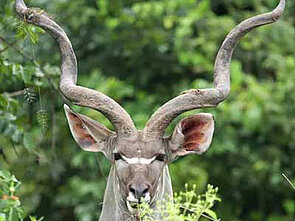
{"x": 3, "y": 154}
{"x": 4, "y": 49}
{"x": 15, "y": 93}
{"x": 3, "y": 27}
{"x": 8, "y": 45}
{"x": 53, "y": 127}
{"x": 289, "y": 181}
{"x": 49, "y": 80}
{"x": 13, "y": 147}
{"x": 17, "y": 49}
{"x": 208, "y": 217}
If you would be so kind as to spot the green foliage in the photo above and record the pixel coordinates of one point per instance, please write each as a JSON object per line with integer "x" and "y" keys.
{"x": 30, "y": 95}
{"x": 186, "y": 206}
{"x": 10, "y": 204}
{"x": 42, "y": 118}
{"x": 26, "y": 30}
{"x": 143, "y": 53}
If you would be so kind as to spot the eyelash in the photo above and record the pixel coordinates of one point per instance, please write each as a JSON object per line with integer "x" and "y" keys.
{"x": 161, "y": 157}
{"x": 117, "y": 156}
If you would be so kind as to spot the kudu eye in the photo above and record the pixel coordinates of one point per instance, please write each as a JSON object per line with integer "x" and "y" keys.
{"x": 161, "y": 157}
{"x": 117, "y": 156}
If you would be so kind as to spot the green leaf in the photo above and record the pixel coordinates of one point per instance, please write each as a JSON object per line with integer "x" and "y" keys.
{"x": 289, "y": 206}
{"x": 32, "y": 218}
{"x": 13, "y": 215}
{"x": 17, "y": 70}
{"x": 26, "y": 76}
{"x": 5, "y": 174}
{"x": 21, "y": 31}
{"x": 13, "y": 178}
{"x": 42, "y": 118}
{"x": 26, "y": 30}
{"x": 211, "y": 213}
{"x": 28, "y": 141}
{"x": 30, "y": 95}
{"x": 2, "y": 217}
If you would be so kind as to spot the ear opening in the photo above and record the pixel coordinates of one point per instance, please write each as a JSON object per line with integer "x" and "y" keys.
{"x": 88, "y": 134}
{"x": 192, "y": 135}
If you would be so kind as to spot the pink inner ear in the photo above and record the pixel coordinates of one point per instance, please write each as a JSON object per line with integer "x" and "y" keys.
{"x": 81, "y": 134}
{"x": 194, "y": 131}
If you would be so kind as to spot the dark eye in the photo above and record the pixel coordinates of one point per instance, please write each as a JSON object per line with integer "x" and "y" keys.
{"x": 117, "y": 156}
{"x": 161, "y": 157}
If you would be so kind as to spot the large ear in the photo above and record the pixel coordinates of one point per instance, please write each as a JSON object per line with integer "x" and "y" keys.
{"x": 89, "y": 134}
{"x": 192, "y": 135}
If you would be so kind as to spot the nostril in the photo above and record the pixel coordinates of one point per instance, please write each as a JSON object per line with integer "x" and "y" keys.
{"x": 144, "y": 192}
{"x": 139, "y": 191}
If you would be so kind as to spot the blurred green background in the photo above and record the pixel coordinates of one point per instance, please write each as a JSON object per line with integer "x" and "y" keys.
{"x": 142, "y": 53}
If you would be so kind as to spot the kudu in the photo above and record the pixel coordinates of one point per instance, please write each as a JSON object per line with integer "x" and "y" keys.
{"x": 139, "y": 158}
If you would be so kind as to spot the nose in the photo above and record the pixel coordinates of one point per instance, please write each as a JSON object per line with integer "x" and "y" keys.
{"x": 139, "y": 191}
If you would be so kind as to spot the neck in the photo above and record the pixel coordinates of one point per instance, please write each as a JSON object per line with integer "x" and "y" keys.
{"x": 115, "y": 208}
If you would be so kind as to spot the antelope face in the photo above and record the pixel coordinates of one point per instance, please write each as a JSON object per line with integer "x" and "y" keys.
{"x": 139, "y": 160}
{"x": 139, "y": 168}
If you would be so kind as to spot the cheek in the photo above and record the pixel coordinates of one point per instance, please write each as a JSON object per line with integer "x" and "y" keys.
{"x": 155, "y": 172}
{"x": 123, "y": 172}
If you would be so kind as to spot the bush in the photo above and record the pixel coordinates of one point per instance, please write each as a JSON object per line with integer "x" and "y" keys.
{"x": 11, "y": 208}
{"x": 186, "y": 206}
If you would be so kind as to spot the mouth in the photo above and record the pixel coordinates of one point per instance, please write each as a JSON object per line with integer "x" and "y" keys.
{"x": 134, "y": 206}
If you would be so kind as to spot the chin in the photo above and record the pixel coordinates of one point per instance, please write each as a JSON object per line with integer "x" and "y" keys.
{"x": 132, "y": 207}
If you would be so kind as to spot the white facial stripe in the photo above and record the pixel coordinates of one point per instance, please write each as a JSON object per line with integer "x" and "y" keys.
{"x": 138, "y": 160}
{"x": 131, "y": 197}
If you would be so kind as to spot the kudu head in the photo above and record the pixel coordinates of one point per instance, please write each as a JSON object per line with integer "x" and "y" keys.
{"x": 139, "y": 156}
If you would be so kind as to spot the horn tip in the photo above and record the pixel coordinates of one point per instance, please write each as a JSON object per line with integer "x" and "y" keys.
{"x": 20, "y": 6}
{"x": 66, "y": 107}
{"x": 278, "y": 11}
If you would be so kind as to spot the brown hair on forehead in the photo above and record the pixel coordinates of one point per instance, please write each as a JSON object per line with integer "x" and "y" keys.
{"x": 139, "y": 148}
